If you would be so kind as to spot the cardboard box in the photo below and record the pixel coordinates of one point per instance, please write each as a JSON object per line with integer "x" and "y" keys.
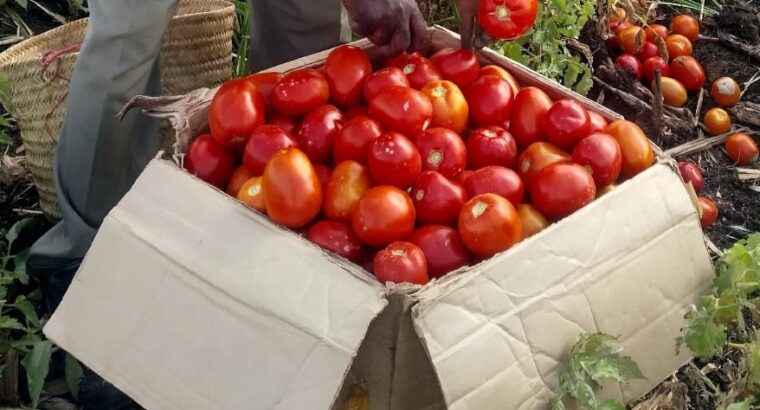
{"x": 190, "y": 300}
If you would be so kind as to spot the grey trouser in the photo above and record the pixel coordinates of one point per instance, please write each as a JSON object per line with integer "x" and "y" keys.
{"x": 98, "y": 157}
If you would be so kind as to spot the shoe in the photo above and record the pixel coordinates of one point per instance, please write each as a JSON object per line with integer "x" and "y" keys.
{"x": 97, "y": 394}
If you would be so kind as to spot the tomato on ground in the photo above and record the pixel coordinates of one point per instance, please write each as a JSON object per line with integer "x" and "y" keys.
{"x": 210, "y": 161}
{"x": 383, "y": 215}
{"x": 655, "y": 63}
{"x": 489, "y": 224}
{"x": 725, "y": 91}
{"x": 491, "y": 145}
{"x": 708, "y": 212}
{"x": 235, "y": 111}
{"x": 690, "y": 172}
{"x": 443, "y": 248}
{"x": 674, "y": 93}
{"x": 631, "y": 39}
{"x": 678, "y": 45}
{"x": 401, "y": 262}
{"x": 741, "y": 148}
{"x": 717, "y": 121}
{"x": 292, "y": 192}
{"x": 437, "y": 200}
{"x": 656, "y": 30}
{"x": 688, "y": 71}
{"x": 346, "y": 185}
{"x": 561, "y": 189}
{"x": 630, "y": 64}
{"x": 337, "y": 237}
{"x": 394, "y": 160}
{"x": 601, "y": 155}
{"x": 686, "y": 26}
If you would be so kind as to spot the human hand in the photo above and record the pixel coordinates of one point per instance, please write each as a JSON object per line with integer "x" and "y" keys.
{"x": 394, "y": 25}
{"x": 470, "y": 31}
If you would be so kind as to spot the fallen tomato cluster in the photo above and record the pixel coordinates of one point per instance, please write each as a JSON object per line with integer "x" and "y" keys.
{"x": 413, "y": 170}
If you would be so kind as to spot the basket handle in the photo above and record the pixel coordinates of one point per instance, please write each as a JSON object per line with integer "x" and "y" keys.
{"x": 50, "y": 62}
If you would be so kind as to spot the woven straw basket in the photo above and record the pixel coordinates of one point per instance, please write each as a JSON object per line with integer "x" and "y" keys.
{"x": 196, "y": 52}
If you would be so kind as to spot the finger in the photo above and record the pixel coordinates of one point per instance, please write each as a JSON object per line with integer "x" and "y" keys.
{"x": 481, "y": 38}
{"x": 465, "y": 31}
{"x": 419, "y": 32}
{"x": 381, "y": 36}
{"x": 401, "y": 40}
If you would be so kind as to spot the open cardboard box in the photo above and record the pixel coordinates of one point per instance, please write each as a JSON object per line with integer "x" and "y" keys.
{"x": 190, "y": 300}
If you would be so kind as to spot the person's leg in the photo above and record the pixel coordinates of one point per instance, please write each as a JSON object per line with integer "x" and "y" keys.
{"x": 283, "y": 30}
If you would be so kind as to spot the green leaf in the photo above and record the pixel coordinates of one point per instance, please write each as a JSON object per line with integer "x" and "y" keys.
{"x": 73, "y": 374}
{"x": 556, "y": 404}
{"x": 37, "y": 365}
{"x": 19, "y": 263}
{"x": 702, "y": 335}
{"x": 742, "y": 405}
{"x": 5, "y": 139}
{"x": 16, "y": 229}
{"x": 22, "y": 3}
{"x": 611, "y": 404}
{"x": 10, "y": 323}
{"x": 28, "y": 310}
{"x": 584, "y": 394}
{"x": 753, "y": 362}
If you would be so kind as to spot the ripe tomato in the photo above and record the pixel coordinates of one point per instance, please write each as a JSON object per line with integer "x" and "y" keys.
{"x": 674, "y": 93}
{"x": 708, "y": 212}
{"x": 566, "y": 123}
{"x": 420, "y": 71}
{"x": 686, "y": 26}
{"x": 288, "y": 124}
{"x": 678, "y": 45}
{"x": 463, "y": 176}
{"x": 717, "y": 121}
{"x": 402, "y": 59}
{"x": 631, "y": 64}
{"x": 442, "y": 150}
{"x": 264, "y": 83}
{"x": 529, "y": 113}
{"x": 210, "y": 161}
{"x": 318, "y": 131}
{"x": 402, "y": 109}
{"x": 346, "y": 69}
{"x": 489, "y": 224}
{"x": 532, "y": 220}
{"x": 598, "y": 123}
{"x": 507, "y": 19}
{"x": 496, "y": 180}
{"x": 394, "y": 160}
{"x": 382, "y": 79}
{"x": 561, "y": 189}
{"x": 237, "y": 179}
{"x": 648, "y": 51}
{"x": 235, "y": 111}
{"x": 500, "y": 72}
{"x": 450, "y": 108}
{"x": 300, "y": 92}
{"x": 355, "y": 138}
{"x": 741, "y": 148}
{"x": 263, "y": 143}
{"x": 292, "y": 192}
{"x": 491, "y": 146}
{"x": 457, "y": 65}
{"x": 617, "y": 16}
{"x": 537, "y": 156}
{"x": 323, "y": 175}
{"x": 490, "y": 100}
{"x": 338, "y": 238}
{"x": 401, "y": 262}
{"x": 601, "y": 155}
{"x": 690, "y": 172}
{"x": 725, "y": 91}
{"x": 354, "y": 112}
{"x": 436, "y": 199}
{"x": 637, "y": 151}
{"x": 688, "y": 71}
{"x": 383, "y": 215}
{"x": 655, "y": 63}
{"x": 251, "y": 194}
{"x": 443, "y": 248}
{"x": 656, "y": 30}
{"x": 347, "y": 183}
{"x": 631, "y": 39}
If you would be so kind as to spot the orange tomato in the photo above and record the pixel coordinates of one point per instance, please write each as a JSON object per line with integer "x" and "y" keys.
{"x": 632, "y": 39}
{"x": 686, "y": 26}
{"x": 533, "y": 221}
{"x": 741, "y": 148}
{"x": 637, "y": 151}
{"x": 347, "y": 183}
{"x": 500, "y": 72}
{"x": 237, "y": 180}
{"x": 251, "y": 194}
{"x": 717, "y": 121}
{"x": 673, "y": 92}
{"x": 450, "y": 108}
{"x": 678, "y": 45}
{"x": 292, "y": 192}
{"x": 489, "y": 224}
{"x": 725, "y": 91}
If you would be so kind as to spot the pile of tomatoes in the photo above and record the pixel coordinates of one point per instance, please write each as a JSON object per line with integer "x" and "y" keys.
{"x": 416, "y": 169}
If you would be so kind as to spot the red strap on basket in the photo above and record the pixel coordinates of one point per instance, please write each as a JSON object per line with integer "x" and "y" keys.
{"x": 50, "y": 62}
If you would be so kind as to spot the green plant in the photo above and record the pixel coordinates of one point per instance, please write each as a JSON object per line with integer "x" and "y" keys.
{"x": 545, "y": 47}
{"x": 696, "y": 5}
{"x": 595, "y": 357}
{"x": 242, "y": 37}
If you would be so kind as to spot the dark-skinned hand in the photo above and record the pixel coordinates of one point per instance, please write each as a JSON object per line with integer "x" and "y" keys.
{"x": 393, "y": 25}
{"x": 472, "y": 34}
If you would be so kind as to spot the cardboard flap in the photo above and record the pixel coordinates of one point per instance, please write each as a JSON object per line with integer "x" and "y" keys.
{"x": 184, "y": 287}
{"x": 627, "y": 265}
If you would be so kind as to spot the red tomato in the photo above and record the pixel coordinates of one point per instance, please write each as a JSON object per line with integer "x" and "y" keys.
{"x": 347, "y": 183}
{"x": 457, "y": 65}
{"x": 561, "y": 189}
{"x": 436, "y": 199}
{"x": 338, "y": 238}
{"x": 264, "y": 83}
{"x": 630, "y": 64}
{"x": 690, "y": 172}
{"x": 532, "y": 220}
{"x": 504, "y": 74}
{"x": 496, "y": 180}
{"x": 598, "y": 123}
{"x": 637, "y": 151}
{"x": 491, "y": 146}
{"x": 420, "y": 71}
{"x": 443, "y": 248}
{"x": 648, "y": 51}
{"x": 288, "y": 124}
{"x": 537, "y": 156}
{"x": 235, "y": 111}
{"x": 463, "y": 176}
{"x": 402, "y": 109}
{"x": 686, "y": 26}
{"x": 529, "y": 113}
{"x": 688, "y": 71}
{"x": 355, "y": 139}
{"x": 346, "y": 69}
{"x": 210, "y": 161}
{"x": 566, "y": 123}
{"x": 490, "y": 100}
{"x": 401, "y": 262}
{"x": 318, "y": 131}
{"x": 323, "y": 174}
{"x": 442, "y": 150}
{"x": 238, "y": 178}
{"x": 450, "y": 108}
{"x": 402, "y": 59}
{"x": 354, "y": 112}
{"x": 382, "y": 79}
{"x": 655, "y": 63}
{"x": 656, "y": 30}
{"x": 507, "y": 19}
{"x": 394, "y": 160}
{"x": 383, "y": 215}
{"x": 601, "y": 155}
{"x": 291, "y": 189}
{"x": 489, "y": 224}
{"x": 708, "y": 212}
{"x": 263, "y": 143}
{"x": 741, "y": 148}
{"x": 300, "y": 92}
